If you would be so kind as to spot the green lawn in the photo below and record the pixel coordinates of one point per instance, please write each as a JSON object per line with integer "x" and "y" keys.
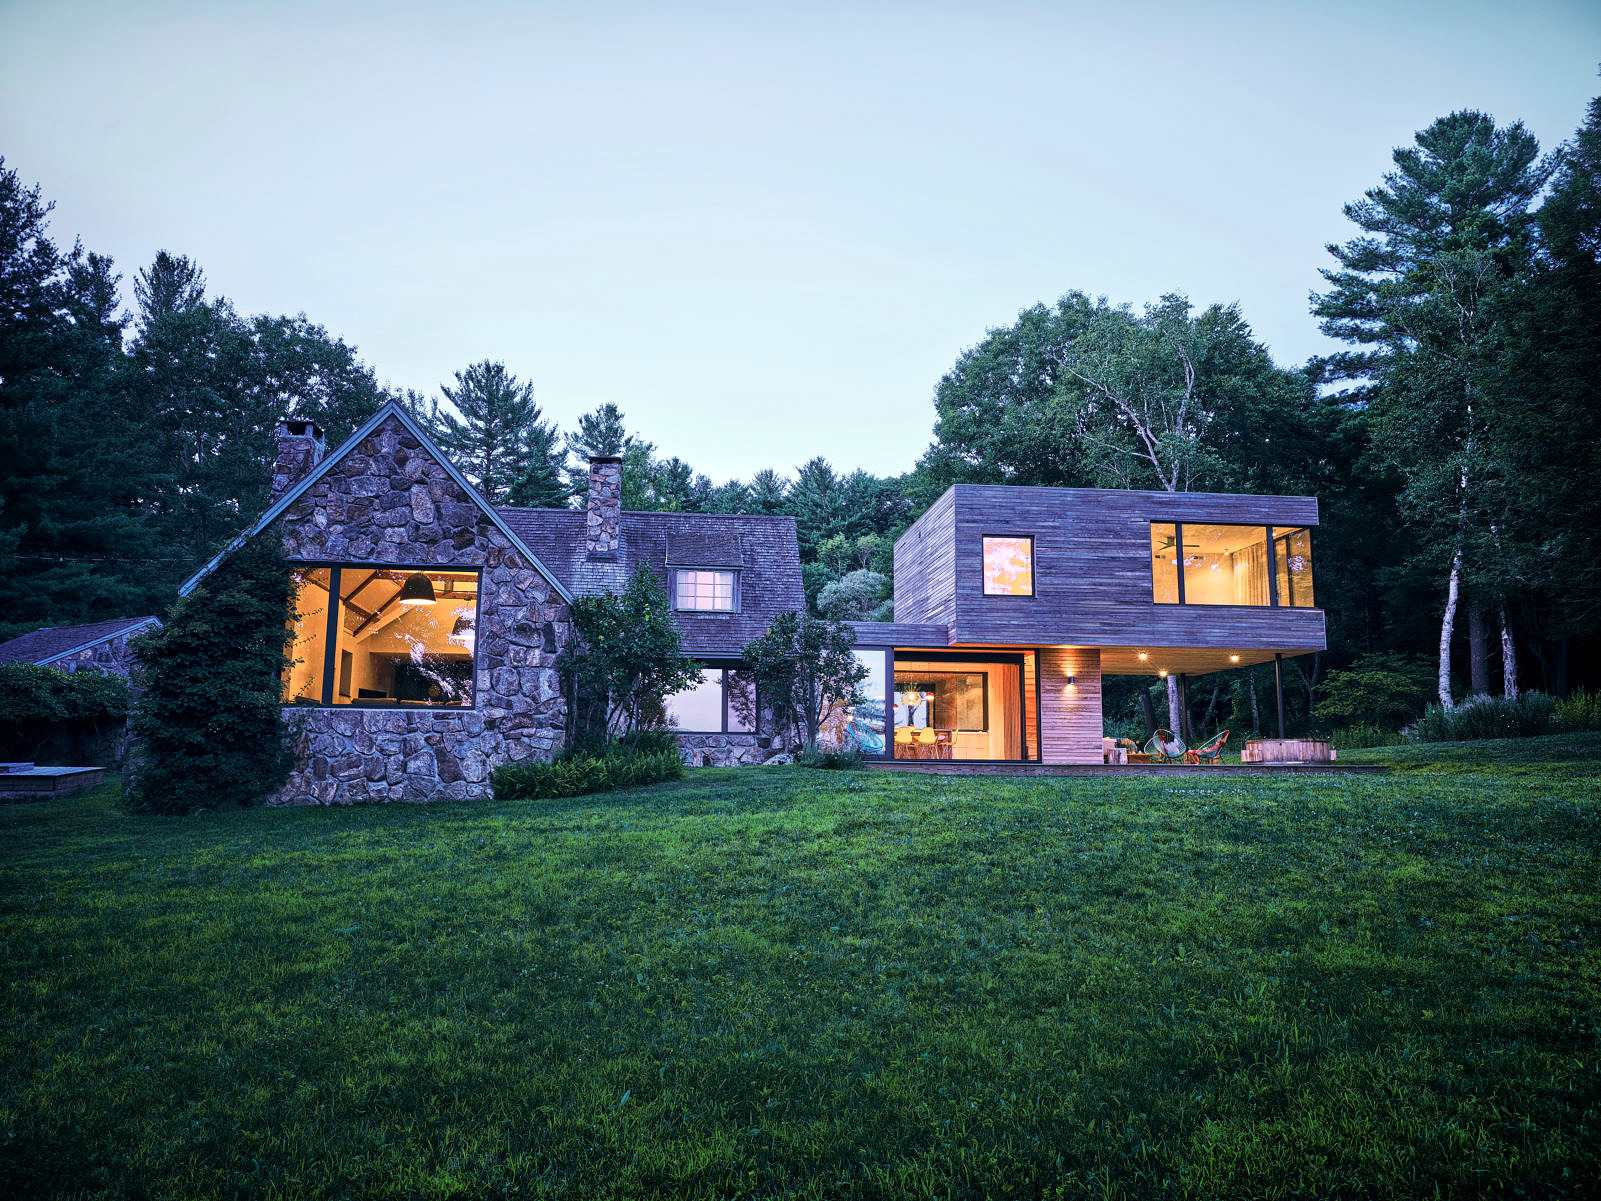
{"x": 774, "y": 982}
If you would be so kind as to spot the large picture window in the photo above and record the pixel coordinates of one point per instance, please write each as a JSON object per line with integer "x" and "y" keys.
{"x": 724, "y": 702}
{"x": 1205, "y": 563}
{"x": 705, "y": 591}
{"x": 383, "y": 637}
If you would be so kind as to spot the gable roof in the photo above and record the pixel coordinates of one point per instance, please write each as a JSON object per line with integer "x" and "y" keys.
{"x": 764, "y": 550}
{"x": 48, "y": 645}
{"x": 396, "y": 410}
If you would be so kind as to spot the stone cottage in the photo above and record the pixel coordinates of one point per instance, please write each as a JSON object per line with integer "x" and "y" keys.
{"x": 429, "y": 621}
{"x": 101, "y": 645}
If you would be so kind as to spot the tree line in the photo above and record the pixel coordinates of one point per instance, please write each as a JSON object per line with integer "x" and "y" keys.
{"x": 1452, "y": 446}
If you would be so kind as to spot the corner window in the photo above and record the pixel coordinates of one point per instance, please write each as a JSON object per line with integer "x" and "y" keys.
{"x": 1008, "y": 566}
{"x": 704, "y": 591}
{"x": 1292, "y": 559}
{"x": 1206, "y": 563}
{"x": 383, "y": 637}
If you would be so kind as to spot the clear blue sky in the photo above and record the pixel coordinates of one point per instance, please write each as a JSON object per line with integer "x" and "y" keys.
{"x": 765, "y": 232}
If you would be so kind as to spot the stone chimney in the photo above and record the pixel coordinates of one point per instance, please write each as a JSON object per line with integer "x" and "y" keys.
{"x": 300, "y": 448}
{"x": 605, "y": 506}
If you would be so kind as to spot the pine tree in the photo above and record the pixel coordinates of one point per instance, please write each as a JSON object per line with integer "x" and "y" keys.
{"x": 498, "y": 434}
{"x": 601, "y": 431}
{"x": 769, "y": 492}
{"x": 540, "y": 486}
{"x": 1425, "y": 295}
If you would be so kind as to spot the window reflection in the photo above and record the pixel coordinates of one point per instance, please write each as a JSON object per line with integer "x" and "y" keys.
{"x": 1222, "y": 564}
{"x": 1292, "y": 550}
{"x": 1164, "y": 563}
{"x": 705, "y": 591}
{"x": 698, "y": 708}
{"x": 308, "y": 652}
{"x": 406, "y": 637}
{"x": 865, "y": 725}
{"x": 1008, "y": 566}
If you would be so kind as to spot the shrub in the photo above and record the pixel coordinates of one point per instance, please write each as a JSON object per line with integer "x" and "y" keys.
{"x": 1363, "y": 734}
{"x": 644, "y": 757}
{"x": 208, "y": 723}
{"x": 813, "y": 755}
{"x": 626, "y": 656}
{"x": 1530, "y": 714}
{"x": 1378, "y": 690}
{"x": 1580, "y": 711}
{"x": 50, "y": 713}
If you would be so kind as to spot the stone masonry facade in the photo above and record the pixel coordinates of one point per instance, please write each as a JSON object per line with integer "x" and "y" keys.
{"x": 111, "y": 656}
{"x": 729, "y": 750}
{"x": 390, "y": 502}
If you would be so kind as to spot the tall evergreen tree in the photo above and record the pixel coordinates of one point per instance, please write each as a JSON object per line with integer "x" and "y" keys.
{"x": 1425, "y": 294}
{"x": 498, "y": 435}
{"x": 74, "y": 538}
{"x": 601, "y": 431}
{"x": 769, "y": 492}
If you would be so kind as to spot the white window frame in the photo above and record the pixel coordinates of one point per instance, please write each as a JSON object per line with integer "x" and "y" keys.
{"x": 733, "y": 590}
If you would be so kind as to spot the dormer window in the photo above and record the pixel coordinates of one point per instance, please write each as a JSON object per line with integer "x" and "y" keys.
{"x": 700, "y": 590}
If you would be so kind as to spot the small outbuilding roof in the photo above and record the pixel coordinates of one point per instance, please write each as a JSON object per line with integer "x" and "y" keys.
{"x": 57, "y": 642}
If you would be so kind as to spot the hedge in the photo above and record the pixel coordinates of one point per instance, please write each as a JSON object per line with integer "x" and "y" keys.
{"x": 648, "y": 759}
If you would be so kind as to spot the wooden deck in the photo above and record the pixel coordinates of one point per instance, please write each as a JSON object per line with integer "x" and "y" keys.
{"x": 40, "y": 783}
{"x": 937, "y": 767}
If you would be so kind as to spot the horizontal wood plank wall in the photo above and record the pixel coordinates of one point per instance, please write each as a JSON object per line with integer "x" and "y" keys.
{"x": 1031, "y": 695}
{"x": 1070, "y": 719}
{"x": 925, "y": 567}
{"x": 898, "y": 633}
{"x": 1092, "y": 570}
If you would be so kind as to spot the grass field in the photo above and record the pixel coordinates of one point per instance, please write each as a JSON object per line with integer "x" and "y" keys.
{"x": 779, "y": 982}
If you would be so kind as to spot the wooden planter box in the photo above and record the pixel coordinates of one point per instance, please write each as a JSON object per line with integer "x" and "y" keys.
{"x": 1287, "y": 750}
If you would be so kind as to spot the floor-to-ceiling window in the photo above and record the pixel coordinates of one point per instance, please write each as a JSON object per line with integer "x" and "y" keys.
{"x": 949, "y": 706}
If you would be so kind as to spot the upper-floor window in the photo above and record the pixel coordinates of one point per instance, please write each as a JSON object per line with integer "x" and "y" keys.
{"x": 1202, "y": 563}
{"x": 705, "y": 591}
{"x": 1008, "y": 565}
{"x": 388, "y": 636}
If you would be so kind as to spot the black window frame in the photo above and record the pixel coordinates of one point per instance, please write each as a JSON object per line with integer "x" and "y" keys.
{"x": 1273, "y": 601}
{"x": 725, "y": 666}
{"x": 738, "y": 597}
{"x": 1033, "y": 567}
{"x": 331, "y": 642}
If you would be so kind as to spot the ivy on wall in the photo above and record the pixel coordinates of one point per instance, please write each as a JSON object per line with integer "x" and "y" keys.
{"x": 208, "y": 721}
{"x": 58, "y": 716}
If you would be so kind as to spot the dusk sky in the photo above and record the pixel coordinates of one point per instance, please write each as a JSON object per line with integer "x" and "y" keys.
{"x": 765, "y": 233}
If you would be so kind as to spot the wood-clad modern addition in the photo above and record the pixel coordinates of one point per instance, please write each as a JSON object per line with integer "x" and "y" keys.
{"x": 1070, "y": 713}
{"x": 1094, "y": 603}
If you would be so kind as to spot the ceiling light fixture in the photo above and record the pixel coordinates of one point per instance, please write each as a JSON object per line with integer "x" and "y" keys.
{"x": 417, "y": 590}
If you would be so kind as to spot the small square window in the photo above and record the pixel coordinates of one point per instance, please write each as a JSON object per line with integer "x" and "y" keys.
{"x": 1009, "y": 566}
{"x": 705, "y": 591}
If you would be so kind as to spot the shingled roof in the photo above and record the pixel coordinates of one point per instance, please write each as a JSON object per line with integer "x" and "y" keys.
{"x": 54, "y": 642}
{"x": 762, "y": 548}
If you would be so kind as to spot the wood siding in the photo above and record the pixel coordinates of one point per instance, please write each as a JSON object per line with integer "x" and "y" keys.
{"x": 1092, "y": 570}
{"x": 1031, "y": 711}
{"x": 1070, "y": 718}
{"x": 925, "y": 567}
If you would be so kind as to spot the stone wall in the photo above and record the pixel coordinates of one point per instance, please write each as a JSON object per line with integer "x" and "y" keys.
{"x": 728, "y": 750}
{"x": 391, "y": 502}
{"x": 111, "y": 656}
